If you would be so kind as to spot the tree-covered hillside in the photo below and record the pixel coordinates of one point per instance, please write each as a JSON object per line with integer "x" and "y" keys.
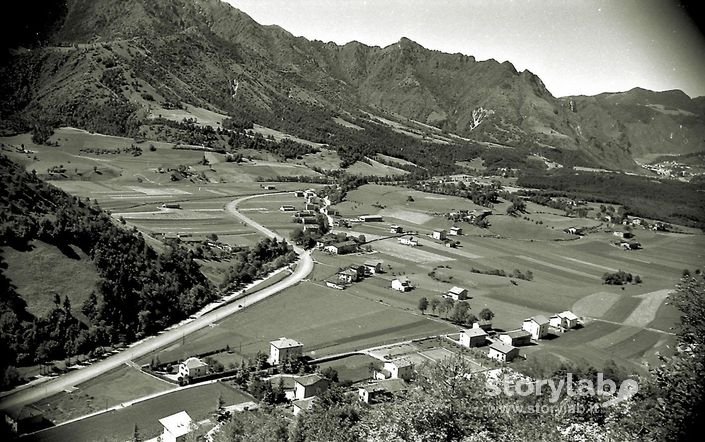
{"x": 140, "y": 291}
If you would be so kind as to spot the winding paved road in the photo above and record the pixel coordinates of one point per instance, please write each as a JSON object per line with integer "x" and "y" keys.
{"x": 35, "y": 393}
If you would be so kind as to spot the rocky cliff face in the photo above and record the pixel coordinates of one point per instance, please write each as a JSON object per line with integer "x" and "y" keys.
{"x": 138, "y": 54}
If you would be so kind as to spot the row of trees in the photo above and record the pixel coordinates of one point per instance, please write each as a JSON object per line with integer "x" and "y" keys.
{"x": 482, "y": 195}
{"x": 256, "y": 262}
{"x": 457, "y": 312}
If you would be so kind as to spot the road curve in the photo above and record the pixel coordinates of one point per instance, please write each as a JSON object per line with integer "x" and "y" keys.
{"x": 33, "y": 394}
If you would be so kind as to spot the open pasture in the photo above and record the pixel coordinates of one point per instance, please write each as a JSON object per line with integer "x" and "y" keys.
{"x": 199, "y": 402}
{"x": 327, "y": 321}
{"x": 112, "y": 388}
{"x": 328, "y": 159}
{"x": 69, "y": 271}
{"x": 365, "y": 199}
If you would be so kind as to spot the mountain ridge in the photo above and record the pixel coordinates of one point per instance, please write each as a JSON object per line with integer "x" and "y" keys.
{"x": 196, "y": 51}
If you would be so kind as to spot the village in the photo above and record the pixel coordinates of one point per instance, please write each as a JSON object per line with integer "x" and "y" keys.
{"x": 391, "y": 372}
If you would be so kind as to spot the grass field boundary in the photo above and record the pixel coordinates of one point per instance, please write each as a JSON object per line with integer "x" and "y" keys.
{"x": 124, "y": 405}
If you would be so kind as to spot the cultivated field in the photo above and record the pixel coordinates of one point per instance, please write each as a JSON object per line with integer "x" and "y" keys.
{"x": 630, "y": 324}
{"x": 567, "y": 271}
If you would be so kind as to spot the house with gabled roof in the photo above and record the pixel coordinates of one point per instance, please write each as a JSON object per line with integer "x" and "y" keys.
{"x": 537, "y": 326}
{"x": 373, "y": 267}
{"x": 303, "y": 405}
{"x": 283, "y": 350}
{"x": 309, "y": 385}
{"x": 341, "y": 248}
{"x": 515, "y": 338}
{"x": 473, "y": 337}
{"x": 396, "y": 369}
{"x": 381, "y": 391}
{"x": 348, "y": 276}
{"x": 192, "y": 368}
{"x": 402, "y": 284}
{"x": 457, "y": 293}
{"x": 502, "y": 352}
{"x": 24, "y": 418}
{"x": 565, "y": 319}
{"x": 409, "y": 241}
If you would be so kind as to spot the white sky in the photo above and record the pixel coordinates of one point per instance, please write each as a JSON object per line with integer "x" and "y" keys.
{"x": 575, "y": 46}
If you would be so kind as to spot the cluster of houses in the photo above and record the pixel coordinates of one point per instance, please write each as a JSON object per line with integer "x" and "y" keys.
{"x": 354, "y": 273}
{"x": 284, "y": 350}
{"x": 504, "y": 346}
{"x": 388, "y": 380}
{"x": 308, "y": 215}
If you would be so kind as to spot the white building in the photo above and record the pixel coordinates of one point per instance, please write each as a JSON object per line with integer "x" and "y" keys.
{"x": 458, "y": 293}
{"x": 455, "y": 231}
{"x": 192, "y": 368}
{"x": 396, "y": 229}
{"x": 303, "y": 405}
{"x": 309, "y": 386}
{"x": 537, "y": 326}
{"x": 402, "y": 284}
{"x": 566, "y": 319}
{"x": 439, "y": 234}
{"x": 177, "y": 427}
{"x": 283, "y": 350}
{"x": 473, "y": 337}
{"x": 396, "y": 369}
{"x": 502, "y": 352}
{"x": 409, "y": 241}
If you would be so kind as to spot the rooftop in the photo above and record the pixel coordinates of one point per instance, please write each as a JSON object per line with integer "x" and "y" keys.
{"x": 345, "y": 244}
{"x": 309, "y": 380}
{"x": 539, "y": 319}
{"x": 517, "y": 334}
{"x": 502, "y": 348}
{"x": 475, "y": 332}
{"x": 286, "y": 343}
{"x": 568, "y": 315}
{"x": 456, "y": 290}
{"x": 194, "y": 363}
{"x": 23, "y": 412}
{"x": 177, "y": 424}
{"x": 304, "y": 404}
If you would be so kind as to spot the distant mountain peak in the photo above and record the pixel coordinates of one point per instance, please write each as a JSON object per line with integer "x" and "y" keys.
{"x": 145, "y": 50}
